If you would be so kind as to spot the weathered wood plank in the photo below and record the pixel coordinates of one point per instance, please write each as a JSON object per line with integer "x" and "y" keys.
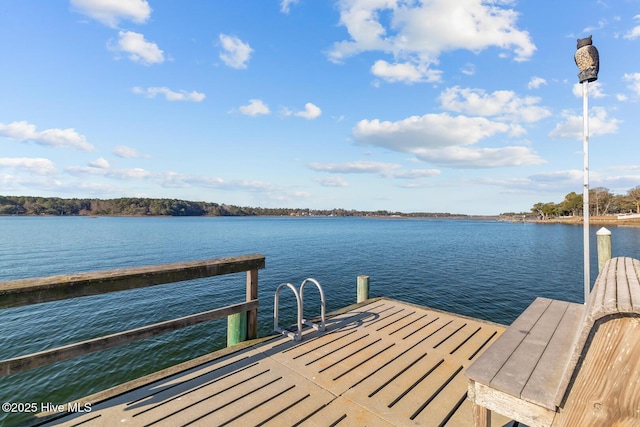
{"x": 597, "y": 297}
{"x": 464, "y": 417}
{"x": 485, "y": 368}
{"x": 617, "y": 289}
{"x": 610, "y": 288}
{"x": 481, "y": 416}
{"x": 514, "y": 374}
{"x": 545, "y": 387}
{"x": 606, "y": 391}
{"x": 34, "y": 360}
{"x": 510, "y": 406}
{"x": 623, "y": 297}
{"x": 601, "y": 305}
{"x": 43, "y": 289}
{"x": 634, "y": 285}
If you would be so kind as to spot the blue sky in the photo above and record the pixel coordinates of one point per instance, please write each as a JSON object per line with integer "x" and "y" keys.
{"x": 463, "y": 106}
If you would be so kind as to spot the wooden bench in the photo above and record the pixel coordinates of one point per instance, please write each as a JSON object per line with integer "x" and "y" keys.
{"x": 567, "y": 364}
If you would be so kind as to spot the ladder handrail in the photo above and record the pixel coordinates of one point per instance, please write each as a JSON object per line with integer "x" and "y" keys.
{"x": 296, "y": 336}
{"x": 323, "y": 305}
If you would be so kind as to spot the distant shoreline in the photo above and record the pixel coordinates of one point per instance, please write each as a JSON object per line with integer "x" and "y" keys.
{"x": 150, "y": 207}
{"x": 461, "y": 217}
{"x": 594, "y": 220}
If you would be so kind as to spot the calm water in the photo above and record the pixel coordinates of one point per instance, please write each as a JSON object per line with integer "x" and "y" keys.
{"x": 489, "y": 270}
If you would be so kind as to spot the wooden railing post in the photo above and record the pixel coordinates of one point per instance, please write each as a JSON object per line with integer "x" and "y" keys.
{"x": 604, "y": 247}
{"x": 363, "y": 288}
{"x": 252, "y": 294}
{"x": 244, "y": 326}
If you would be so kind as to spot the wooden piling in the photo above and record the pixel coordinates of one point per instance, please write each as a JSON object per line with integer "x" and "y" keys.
{"x": 363, "y": 288}
{"x": 236, "y": 328}
{"x": 604, "y": 247}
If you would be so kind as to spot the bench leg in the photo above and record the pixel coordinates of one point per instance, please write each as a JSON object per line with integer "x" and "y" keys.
{"x": 481, "y": 416}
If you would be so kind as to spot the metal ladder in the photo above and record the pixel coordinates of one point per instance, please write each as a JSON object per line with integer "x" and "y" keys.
{"x": 297, "y": 336}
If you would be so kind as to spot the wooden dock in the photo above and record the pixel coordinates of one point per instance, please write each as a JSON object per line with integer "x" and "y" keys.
{"x": 379, "y": 363}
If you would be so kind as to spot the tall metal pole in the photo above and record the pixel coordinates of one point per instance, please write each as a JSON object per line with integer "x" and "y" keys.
{"x": 585, "y": 193}
{"x": 588, "y": 61}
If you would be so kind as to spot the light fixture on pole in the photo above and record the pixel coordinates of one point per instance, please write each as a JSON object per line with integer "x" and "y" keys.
{"x": 588, "y": 62}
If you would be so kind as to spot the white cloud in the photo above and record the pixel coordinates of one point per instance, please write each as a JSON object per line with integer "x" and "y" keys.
{"x": 418, "y": 32}
{"x": 476, "y": 157}
{"x": 137, "y": 173}
{"x": 235, "y": 53}
{"x": 310, "y": 112}
{"x": 626, "y": 168}
{"x": 110, "y": 12}
{"x": 26, "y": 184}
{"x": 169, "y": 94}
{"x": 265, "y": 189}
{"x": 286, "y": 4}
{"x": 139, "y": 49}
{"x": 468, "y": 69}
{"x": 595, "y": 90}
{"x": 387, "y": 170}
{"x": 178, "y": 180}
{"x": 172, "y": 179}
{"x": 558, "y": 182}
{"x": 572, "y": 125}
{"x": 332, "y": 181}
{"x": 24, "y": 131}
{"x": 404, "y": 72}
{"x": 564, "y": 181}
{"x": 415, "y": 173}
{"x": 633, "y": 79}
{"x": 602, "y": 23}
{"x": 503, "y": 104}
{"x": 100, "y": 162}
{"x": 33, "y": 165}
{"x": 254, "y": 108}
{"x": 634, "y": 33}
{"x": 122, "y": 174}
{"x": 355, "y": 167}
{"x": 441, "y": 139}
{"x": 428, "y": 131}
{"x": 127, "y": 152}
{"x": 536, "y": 82}
{"x": 565, "y": 176}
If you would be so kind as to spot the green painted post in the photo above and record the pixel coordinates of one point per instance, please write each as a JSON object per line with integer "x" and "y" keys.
{"x": 604, "y": 247}
{"x": 363, "y": 288}
{"x": 236, "y": 328}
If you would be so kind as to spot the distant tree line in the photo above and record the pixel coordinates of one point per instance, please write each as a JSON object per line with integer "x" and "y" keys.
{"x": 134, "y": 206}
{"x": 601, "y": 202}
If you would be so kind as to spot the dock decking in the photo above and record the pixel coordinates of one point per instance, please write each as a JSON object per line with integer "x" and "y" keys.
{"x": 381, "y": 363}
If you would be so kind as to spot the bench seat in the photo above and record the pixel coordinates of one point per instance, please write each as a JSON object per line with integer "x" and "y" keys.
{"x": 522, "y": 371}
{"x": 527, "y": 373}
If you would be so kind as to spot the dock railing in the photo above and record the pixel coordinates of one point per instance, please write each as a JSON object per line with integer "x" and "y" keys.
{"x": 22, "y": 292}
